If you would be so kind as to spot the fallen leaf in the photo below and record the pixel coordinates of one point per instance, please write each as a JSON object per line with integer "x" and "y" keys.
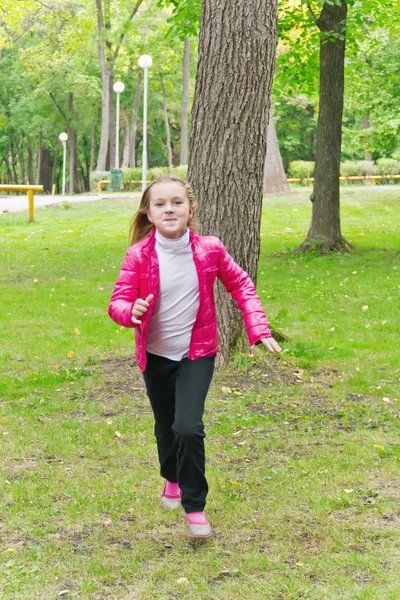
{"x": 117, "y": 434}
{"x": 226, "y": 390}
{"x": 70, "y": 354}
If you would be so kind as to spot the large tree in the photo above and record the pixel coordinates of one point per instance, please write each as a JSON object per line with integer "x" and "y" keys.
{"x": 237, "y": 50}
{"x": 325, "y": 222}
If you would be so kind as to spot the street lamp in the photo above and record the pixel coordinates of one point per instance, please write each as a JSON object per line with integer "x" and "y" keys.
{"x": 145, "y": 61}
{"x": 116, "y": 177}
{"x": 118, "y": 88}
{"x": 63, "y": 138}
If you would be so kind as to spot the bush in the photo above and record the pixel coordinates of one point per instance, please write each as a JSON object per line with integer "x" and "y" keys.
{"x": 357, "y": 168}
{"x": 387, "y": 166}
{"x": 132, "y": 174}
{"x": 97, "y": 176}
{"x": 181, "y": 171}
{"x": 301, "y": 169}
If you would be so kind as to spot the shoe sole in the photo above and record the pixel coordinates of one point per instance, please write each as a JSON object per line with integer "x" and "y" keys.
{"x": 171, "y": 503}
{"x": 206, "y": 533}
{"x": 199, "y": 537}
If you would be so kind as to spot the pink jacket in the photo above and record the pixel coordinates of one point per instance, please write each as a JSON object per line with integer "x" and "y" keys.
{"x": 139, "y": 277}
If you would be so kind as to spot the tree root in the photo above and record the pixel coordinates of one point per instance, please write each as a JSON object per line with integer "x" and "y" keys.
{"x": 324, "y": 247}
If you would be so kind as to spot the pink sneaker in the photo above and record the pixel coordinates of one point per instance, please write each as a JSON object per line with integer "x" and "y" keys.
{"x": 171, "y": 496}
{"x": 199, "y": 527}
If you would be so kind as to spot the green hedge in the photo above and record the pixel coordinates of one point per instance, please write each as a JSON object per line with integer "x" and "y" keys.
{"x": 129, "y": 175}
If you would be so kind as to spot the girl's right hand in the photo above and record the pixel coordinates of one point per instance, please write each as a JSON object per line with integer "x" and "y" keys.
{"x": 140, "y": 307}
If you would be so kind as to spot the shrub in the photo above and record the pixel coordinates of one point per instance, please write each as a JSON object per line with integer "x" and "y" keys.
{"x": 354, "y": 168}
{"x": 387, "y": 166}
{"x": 302, "y": 169}
{"x": 97, "y": 176}
{"x": 181, "y": 171}
{"x": 132, "y": 174}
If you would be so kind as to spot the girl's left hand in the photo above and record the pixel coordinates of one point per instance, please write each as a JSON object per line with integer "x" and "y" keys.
{"x": 271, "y": 344}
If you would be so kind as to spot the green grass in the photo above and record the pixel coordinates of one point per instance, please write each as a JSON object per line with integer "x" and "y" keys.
{"x": 303, "y": 449}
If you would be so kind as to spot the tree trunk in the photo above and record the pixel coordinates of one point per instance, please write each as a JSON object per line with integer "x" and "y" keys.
{"x": 125, "y": 141}
{"x": 324, "y": 233}
{"x": 72, "y": 146}
{"x": 105, "y": 119}
{"x": 92, "y": 153}
{"x": 168, "y": 133}
{"x": 107, "y": 74}
{"x": 275, "y": 181}
{"x": 113, "y": 133}
{"x": 366, "y": 124}
{"x": 237, "y": 50}
{"x": 21, "y": 160}
{"x": 185, "y": 103}
{"x": 54, "y": 169}
{"x": 45, "y": 170}
{"x": 39, "y": 157}
{"x": 13, "y": 162}
{"x": 135, "y": 110}
{"x": 31, "y": 174}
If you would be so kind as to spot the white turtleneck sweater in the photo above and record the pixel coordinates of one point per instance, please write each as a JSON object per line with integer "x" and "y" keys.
{"x": 177, "y": 305}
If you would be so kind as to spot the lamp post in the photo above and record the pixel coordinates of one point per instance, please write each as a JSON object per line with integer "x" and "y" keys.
{"x": 116, "y": 173}
{"x": 63, "y": 138}
{"x": 145, "y": 61}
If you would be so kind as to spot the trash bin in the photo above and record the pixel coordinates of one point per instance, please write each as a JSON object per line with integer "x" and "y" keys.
{"x": 116, "y": 180}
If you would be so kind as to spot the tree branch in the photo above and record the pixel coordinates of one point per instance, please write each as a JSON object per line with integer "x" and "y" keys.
{"x": 58, "y": 107}
{"x": 121, "y": 37}
{"x": 312, "y": 13}
{"x": 52, "y": 9}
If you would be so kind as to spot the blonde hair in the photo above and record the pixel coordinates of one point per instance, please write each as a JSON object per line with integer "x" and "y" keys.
{"x": 141, "y": 226}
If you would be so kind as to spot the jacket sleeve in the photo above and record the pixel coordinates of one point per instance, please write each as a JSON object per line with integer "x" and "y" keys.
{"x": 126, "y": 291}
{"x": 238, "y": 283}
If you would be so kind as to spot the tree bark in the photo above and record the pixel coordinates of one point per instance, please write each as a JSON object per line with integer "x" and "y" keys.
{"x": 113, "y": 133}
{"x": 39, "y": 157}
{"x": 92, "y": 154}
{"x": 324, "y": 234}
{"x": 31, "y": 174}
{"x": 125, "y": 140}
{"x": 275, "y": 181}
{"x": 237, "y": 50}
{"x": 135, "y": 110}
{"x": 185, "y": 103}
{"x": 72, "y": 146}
{"x": 366, "y": 125}
{"x": 54, "y": 168}
{"x": 13, "y": 162}
{"x": 45, "y": 170}
{"x": 167, "y": 130}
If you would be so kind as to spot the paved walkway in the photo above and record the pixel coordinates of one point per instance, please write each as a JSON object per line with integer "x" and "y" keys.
{"x": 20, "y": 203}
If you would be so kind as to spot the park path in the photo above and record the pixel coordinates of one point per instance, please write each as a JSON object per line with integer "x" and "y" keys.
{"x": 20, "y": 203}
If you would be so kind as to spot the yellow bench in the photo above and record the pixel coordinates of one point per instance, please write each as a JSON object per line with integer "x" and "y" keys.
{"x": 29, "y": 189}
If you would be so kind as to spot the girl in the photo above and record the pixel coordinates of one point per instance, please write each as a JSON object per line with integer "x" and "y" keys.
{"x": 165, "y": 291}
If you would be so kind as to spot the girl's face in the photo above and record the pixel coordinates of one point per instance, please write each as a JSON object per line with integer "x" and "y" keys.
{"x": 169, "y": 209}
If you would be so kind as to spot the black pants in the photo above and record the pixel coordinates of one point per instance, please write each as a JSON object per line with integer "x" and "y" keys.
{"x": 177, "y": 392}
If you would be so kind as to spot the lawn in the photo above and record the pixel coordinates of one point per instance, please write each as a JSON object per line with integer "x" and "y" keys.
{"x": 303, "y": 448}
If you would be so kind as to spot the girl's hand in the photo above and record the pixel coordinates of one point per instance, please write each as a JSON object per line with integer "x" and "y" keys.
{"x": 271, "y": 344}
{"x": 140, "y": 307}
